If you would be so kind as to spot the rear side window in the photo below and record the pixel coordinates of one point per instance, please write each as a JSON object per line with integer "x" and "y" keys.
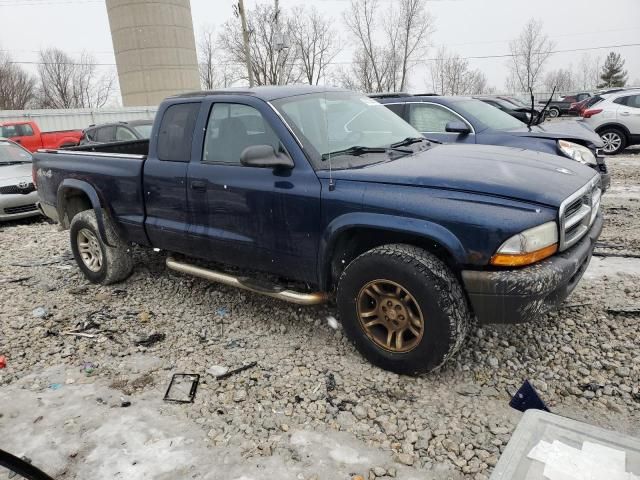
{"x": 633, "y": 101}
{"x": 105, "y": 134}
{"x": 621, "y": 100}
{"x": 20, "y": 130}
{"x": 176, "y": 132}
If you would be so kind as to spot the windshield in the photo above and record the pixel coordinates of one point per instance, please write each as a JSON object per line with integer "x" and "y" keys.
{"x": 490, "y": 116}
{"x": 143, "y": 130}
{"x": 334, "y": 121}
{"x": 10, "y": 153}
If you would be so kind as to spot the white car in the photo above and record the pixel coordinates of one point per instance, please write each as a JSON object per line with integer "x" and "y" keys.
{"x": 616, "y": 118}
{"x": 18, "y": 195}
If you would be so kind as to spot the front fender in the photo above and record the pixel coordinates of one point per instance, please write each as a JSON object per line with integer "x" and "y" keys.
{"x": 390, "y": 223}
{"x": 86, "y": 188}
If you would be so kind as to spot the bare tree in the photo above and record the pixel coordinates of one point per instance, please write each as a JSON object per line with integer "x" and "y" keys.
{"x": 68, "y": 83}
{"x": 17, "y": 87}
{"x": 315, "y": 42}
{"x": 389, "y": 48}
{"x": 272, "y": 62}
{"x": 530, "y": 51}
{"x": 360, "y": 75}
{"x": 451, "y": 75}
{"x": 214, "y": 73}
{"x": 588, "y": 74}
{"x": 563, "y": 80}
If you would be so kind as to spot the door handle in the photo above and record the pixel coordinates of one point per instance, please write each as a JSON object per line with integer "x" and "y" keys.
{"x": 198, "y": 185}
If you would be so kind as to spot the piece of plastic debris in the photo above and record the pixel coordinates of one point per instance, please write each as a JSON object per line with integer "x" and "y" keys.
{"x": 527, "y": 398}
{"x": 237, "y": 370}
{"x": 150, "y": 340}
{"x": 221, "y": 312}
{"x": 40, "y": 312}
{"x": 55, "y": 386}
{"x": 182, "y": 388}
{"x": 217, "y": 370}
{"x": 144, "y": 316}
{"x": 333, "y": 323}
{"x": 124, "y": 402}
{"x": 3, "y": 361}
{"x": 88, "y": 368}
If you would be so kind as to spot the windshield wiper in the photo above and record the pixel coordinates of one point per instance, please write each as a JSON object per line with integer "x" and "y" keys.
{"x": 407, "y": 141}
{"x": 356, "y": 150}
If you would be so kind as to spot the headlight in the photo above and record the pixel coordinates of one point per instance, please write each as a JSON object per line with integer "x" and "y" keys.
{"x": 577, "y": 152}
{"x": 528, "y": 247}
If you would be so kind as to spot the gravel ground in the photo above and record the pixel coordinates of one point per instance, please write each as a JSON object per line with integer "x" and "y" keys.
{"x": 311, "y": 407}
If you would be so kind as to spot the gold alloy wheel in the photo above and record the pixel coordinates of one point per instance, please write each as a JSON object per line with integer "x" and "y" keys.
{"x": 390, "y": 316}
{"x": 89, "y": 249}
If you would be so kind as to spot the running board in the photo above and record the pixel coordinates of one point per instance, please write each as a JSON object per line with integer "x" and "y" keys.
{"x": 268, "y": 289}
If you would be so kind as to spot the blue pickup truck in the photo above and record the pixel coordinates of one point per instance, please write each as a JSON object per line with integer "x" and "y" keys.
{"x": 319, "y": 194}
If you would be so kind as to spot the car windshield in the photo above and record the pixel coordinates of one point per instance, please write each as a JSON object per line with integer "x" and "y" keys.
{"x": 143, "y": 130}
{"x": 490, "y": 116}
{"x": 10, "y": 154}
{"x": 330, "y": 122}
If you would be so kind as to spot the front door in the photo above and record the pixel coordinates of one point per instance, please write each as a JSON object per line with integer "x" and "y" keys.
{"x": 256, "y": 218}
{"x": 431, "y": 120}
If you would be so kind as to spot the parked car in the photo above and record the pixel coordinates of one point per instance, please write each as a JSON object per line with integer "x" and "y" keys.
{"x": 616, "y": 119}
{"x": 327, "y": 189}
{"x": 521, "y": 112}
{"x": 467, "y": 120}
{"x": 116, "y": 132}
{"x": 28, "y": 134}
{"x": 560, "y": 107}
{"x": 18, "y": 196}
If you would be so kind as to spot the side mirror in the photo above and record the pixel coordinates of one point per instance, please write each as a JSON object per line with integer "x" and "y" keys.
{"x": 457, "y": 126}
{"x": 264, "y": 156}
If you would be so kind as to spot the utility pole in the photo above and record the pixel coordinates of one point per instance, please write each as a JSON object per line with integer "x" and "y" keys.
{"x": 245, "y": 39}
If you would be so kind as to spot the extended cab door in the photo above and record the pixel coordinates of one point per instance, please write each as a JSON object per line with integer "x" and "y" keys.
{"x": 257, "y": 218}
{"x": 164, "y": 177}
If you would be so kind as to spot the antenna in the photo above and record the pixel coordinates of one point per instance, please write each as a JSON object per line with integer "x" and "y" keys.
{"x": 332, "y": 185}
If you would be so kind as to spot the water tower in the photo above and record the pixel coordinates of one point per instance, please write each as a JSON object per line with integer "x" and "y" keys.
{"x": 155, "y": 49}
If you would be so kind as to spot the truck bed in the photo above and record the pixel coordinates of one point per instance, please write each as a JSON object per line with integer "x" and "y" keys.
{"x": 130, "y": 147}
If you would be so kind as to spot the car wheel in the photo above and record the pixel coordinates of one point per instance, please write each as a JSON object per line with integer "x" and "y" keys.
{"x": 99, "y": 262}
{"x": 403, "y": 308}
{"x": 614, "y": 141}
{"x": 554, "y": 112}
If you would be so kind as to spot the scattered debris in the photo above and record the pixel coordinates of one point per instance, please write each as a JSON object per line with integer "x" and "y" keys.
{"x": 13, "y": 280}
{"x": 330, "y": 382}
{"x": 144, "y": 316}
{"x": 88, "y": 368}
{"x": 55, "y": 386}
{"x": 40, "y": 312}
{"x": 217, "y": 370}
{"x": 624, "y": 310}
{"x": 3, "y": 361}
{"x": 333, "y": 323}
{"x": 79, "y": 334}
{"x": 222, "y": 312}
{"x": 182, "y": 388}
{"x": 125, "y": 402}
{"x": 526, "y": 398}
{"x": 237, "y": 370}
{"x": 150, "y": 340}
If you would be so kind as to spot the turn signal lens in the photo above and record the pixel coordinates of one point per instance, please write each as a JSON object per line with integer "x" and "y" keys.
{"x": 521, "y": 259}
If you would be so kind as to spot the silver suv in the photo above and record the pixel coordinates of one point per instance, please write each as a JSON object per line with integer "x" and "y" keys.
{"x": 616, "y": 118}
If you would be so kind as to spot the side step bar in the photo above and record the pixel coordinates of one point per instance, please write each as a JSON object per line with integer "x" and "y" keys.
{"x": 270, "y": 290}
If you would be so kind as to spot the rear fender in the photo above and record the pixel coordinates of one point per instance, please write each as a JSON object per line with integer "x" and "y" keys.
{"x": 412, "y": 226}
{"x": 74, "y": 184}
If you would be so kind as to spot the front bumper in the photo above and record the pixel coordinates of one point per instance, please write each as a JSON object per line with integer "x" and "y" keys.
{"x": 605, "y": 176}
{"x": 517, "y": 296}
{"x": 17, "y": 206}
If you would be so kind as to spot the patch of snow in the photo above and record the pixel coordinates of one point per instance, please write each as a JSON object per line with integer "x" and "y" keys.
{"x": 611, "y": 266}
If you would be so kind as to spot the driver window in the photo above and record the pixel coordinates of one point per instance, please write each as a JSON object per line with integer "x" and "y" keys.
{"x": 124, "y": 134}
{"x": 429, "y": 118}
{"x": 232, "y": 128}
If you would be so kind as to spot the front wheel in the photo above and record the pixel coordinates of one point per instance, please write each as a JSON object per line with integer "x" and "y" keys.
{"x": 403, "y": 308}
{"x": 554, "y": 112}
{"x": 99, "y": 262}
{"x": 614, "y": 141}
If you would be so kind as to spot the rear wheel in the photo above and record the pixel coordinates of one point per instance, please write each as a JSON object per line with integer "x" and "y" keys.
{"x": 614, "y": 140}
{"x": 403, "y": 308}
{"x": 554, "y": 112}
{"x": 99, "y": 262}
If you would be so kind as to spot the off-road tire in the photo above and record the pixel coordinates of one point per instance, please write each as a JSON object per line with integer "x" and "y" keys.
{"x": 613, "y": 131}
{"x": 447, "y": 317}
{"x": 117, "y": 262}
{"x": 554, "y": 112}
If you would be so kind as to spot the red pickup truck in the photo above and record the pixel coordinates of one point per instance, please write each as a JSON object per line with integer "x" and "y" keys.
{"x": 28, "y": 134}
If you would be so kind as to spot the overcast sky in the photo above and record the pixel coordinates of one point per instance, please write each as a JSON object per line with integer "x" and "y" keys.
{"x": 468, "y": 27}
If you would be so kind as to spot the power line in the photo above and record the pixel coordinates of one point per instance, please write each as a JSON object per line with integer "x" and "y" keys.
{"x": 476, "y": 57}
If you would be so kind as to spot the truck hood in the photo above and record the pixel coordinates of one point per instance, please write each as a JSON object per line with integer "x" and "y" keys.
{"x": 566, "y": 130}
{"x": 12, "y": 174}
{"x": 515, "y": 173}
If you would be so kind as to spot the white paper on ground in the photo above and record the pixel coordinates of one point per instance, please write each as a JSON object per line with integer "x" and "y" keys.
{"x": 611, "y": 457}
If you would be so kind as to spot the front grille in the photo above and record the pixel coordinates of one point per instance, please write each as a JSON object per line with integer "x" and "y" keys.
{"x": 21, "y": 209}
{"x": 17, "y": 190}
{"x": 578, "y": 212}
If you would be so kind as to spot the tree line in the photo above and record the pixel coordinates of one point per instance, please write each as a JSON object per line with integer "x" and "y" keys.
{"x": 300, "y": 45}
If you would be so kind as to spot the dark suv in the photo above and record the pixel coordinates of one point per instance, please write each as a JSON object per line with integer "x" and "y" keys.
{"x": 117, "y": 132}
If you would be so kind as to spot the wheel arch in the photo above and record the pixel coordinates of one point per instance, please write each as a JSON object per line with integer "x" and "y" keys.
{"x": 75, "y": 196}
{"x": 617, "y": 126}
{"x": 353, "y": 234}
